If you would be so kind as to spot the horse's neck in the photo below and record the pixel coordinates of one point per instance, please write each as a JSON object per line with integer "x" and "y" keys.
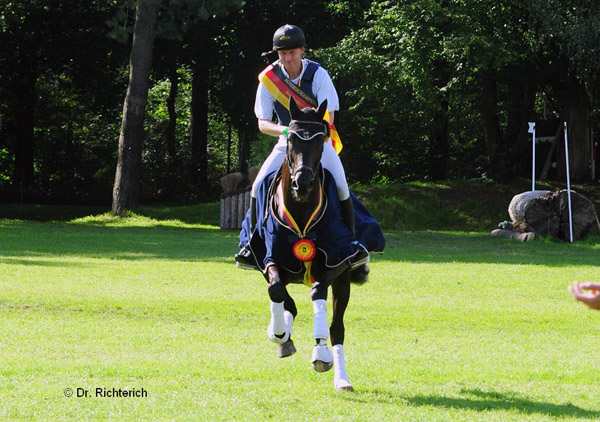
{"x": 300, "y": 211}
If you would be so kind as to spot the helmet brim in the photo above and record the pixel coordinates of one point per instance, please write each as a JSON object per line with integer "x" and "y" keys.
{"x": 288, "y": 47}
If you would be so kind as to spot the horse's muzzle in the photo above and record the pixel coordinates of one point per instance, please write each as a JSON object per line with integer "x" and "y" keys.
{"x": 302, "y": 183}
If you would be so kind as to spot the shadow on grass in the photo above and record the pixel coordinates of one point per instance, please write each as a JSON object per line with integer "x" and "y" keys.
{"x": 481, "y": 401}
{"x": 202, "y": 213}
{"x": 442, "y": 247}
{"x": 164, "y": 240}
{"x": 36, "y": 241}
{"x": 491, "y": 400}
{"x": 39, "y": 262}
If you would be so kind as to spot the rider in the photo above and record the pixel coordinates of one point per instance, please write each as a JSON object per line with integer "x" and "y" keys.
{"x": 289, "y": 43}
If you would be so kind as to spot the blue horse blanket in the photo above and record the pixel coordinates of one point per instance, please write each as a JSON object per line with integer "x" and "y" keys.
{"x": 272, "y": 240}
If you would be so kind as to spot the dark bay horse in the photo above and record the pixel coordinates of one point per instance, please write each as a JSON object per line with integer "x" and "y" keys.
{"x": 298, "y": 199}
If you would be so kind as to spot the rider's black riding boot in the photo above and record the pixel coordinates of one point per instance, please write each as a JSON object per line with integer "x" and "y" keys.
{"x": 244, "y": 258}
{"x": 358, "y": 262}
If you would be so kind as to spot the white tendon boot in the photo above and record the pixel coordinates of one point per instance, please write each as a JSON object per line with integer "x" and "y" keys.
{"x": 276, "y": 331}
{"x": 322, "y": 359}
{"x": 340, "y": 377}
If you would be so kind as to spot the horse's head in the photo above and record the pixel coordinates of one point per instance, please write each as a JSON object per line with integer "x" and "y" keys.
{"x": 306, "y": 137}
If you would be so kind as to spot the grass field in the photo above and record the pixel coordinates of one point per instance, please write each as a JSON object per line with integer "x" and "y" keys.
{"x": 452, "y": 326}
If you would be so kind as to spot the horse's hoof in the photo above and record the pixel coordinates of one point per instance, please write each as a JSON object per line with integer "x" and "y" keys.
{"x": 321, "y": 366}
{"x": 322, "y": 358}
{"x": 286, "y": 349}
{"x": 345, "y": 388}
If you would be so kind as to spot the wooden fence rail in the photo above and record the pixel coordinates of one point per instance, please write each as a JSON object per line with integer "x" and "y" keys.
{"x": 233, "y": 209}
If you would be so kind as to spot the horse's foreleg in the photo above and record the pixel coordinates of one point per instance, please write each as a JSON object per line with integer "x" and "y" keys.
{"x": 340, "y": 290}
{"x": 322, "y": 359}
{"x": 283, "y": 310}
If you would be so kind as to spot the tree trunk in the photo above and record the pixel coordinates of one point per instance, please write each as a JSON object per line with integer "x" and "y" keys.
{"x": 171, "y": 128}
{"x": 499, "y": 166}
{"x": 127, "y": 180}
{"x": 24, "y": 121}
{"x": 199, "y": 113}
{"x": 577, "y": 111}
{"x": 438, "y": 148}
{"x": 522, "y": 101}
{"x": 550, "y": 156}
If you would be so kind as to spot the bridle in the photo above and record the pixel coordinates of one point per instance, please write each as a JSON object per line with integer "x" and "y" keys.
{"x": 305, "y": 136}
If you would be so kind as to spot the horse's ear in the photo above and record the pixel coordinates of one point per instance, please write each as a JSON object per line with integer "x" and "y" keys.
{"x": 322, "y": 109}
{"x": 295, "y": 112}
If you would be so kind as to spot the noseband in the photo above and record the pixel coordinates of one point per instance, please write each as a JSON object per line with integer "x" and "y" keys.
{"x": 304, "y": 135}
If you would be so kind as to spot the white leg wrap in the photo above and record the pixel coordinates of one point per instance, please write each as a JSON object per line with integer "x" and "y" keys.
{"x": 276, "y": 330}
{"x": 340, "y": 377}
{"x": 320, "y": 310}
{"x": 288, "y": 318}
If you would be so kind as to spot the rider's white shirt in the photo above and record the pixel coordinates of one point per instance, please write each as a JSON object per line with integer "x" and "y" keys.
{"x": 322, "y": 88}
{"x": 264, "y": 106}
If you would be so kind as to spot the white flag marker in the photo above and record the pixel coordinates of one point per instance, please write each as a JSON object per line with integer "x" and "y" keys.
{"x": 532, "y": 131}
{"x": 568, "y": 182}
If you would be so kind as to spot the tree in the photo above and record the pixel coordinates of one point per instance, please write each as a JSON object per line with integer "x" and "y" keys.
{"x": 415, "y": 65}
{"x": 53, "y": 61}
{"x": 127, "y": 178}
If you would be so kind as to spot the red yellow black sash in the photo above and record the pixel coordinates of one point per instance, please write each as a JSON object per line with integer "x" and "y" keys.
{"x": 281, "y": 90}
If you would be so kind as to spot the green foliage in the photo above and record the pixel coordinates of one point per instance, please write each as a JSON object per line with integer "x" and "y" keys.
{"x": 75, "y": 144}
{"x": 392, "y": 73}
{"x": 166, "y": 177}
{"x": 403, "y": 70}
{"x": 412, "y": 64}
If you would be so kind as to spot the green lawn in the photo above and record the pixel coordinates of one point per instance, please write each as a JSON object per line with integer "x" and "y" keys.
{"x": 452, "y": 326}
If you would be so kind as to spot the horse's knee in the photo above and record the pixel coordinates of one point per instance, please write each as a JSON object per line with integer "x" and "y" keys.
{"x": 277, "y": 292}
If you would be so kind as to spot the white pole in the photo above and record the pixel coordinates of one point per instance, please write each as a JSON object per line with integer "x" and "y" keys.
{"x": 532, "y": 130}
{"x": 568, "y": 182}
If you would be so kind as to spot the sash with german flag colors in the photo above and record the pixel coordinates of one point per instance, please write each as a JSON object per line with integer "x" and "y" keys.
{"x": 282, "y": 88}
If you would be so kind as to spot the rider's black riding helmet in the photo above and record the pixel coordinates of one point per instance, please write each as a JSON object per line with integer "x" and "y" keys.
{"x": 288, "y": 37}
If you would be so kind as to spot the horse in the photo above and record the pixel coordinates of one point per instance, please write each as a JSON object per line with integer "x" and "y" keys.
{"x": 301, "y": 198}
{"x": 299, "y": 193}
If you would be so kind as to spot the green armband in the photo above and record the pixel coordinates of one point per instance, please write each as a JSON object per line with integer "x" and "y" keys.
{"x": 286, "y": 130}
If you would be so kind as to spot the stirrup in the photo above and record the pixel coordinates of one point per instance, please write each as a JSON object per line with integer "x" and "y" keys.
{"x": 245, "y": 259}
{"x": 360, "y": 258}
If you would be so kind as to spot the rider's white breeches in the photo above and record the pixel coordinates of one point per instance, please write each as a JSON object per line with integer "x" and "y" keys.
{"x": 330, "y": 161}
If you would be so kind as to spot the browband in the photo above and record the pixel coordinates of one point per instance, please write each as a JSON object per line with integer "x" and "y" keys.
{"x": 305, "y": 134}
{"x": 303, "y": 137}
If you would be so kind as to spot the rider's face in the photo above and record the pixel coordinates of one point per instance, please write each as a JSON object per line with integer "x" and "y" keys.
{"x": 291, "y": 59}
